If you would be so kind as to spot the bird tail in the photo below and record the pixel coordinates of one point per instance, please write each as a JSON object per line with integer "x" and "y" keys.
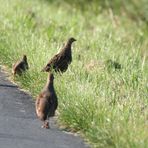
{"x": 45, "y": 69}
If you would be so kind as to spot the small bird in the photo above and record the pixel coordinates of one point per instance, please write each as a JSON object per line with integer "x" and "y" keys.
{"x": 61, "y": 60}
{"x": 20, "y": 66}
{"x": 47, "y": 102}
{"x": 113, "y": 64}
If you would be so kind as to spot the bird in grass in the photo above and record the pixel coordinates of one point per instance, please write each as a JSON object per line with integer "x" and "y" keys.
{"x": 20, "y": 66}
{"x": 60, "y": 61}
{"x": 47, "y": 102}
{"x": 113, "y": 64}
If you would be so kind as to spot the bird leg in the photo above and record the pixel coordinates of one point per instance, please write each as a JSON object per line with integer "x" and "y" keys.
{"x": 46, "y": 125}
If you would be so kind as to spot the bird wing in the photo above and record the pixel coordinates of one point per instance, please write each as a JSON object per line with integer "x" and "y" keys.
{"x": 37, "y": 102}
{"x": 17, "y": 64}
{"x": 54, "y": 62}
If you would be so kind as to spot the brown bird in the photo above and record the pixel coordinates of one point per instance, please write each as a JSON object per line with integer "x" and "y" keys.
{"x": 61, "y": 60}
{"x": 47, "y": 102}
{"x": 20, "y": 66}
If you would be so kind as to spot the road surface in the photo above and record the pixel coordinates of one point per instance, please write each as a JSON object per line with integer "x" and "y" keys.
{"x": 19, "y": 126}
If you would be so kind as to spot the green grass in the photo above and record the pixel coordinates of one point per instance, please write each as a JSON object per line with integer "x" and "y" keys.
{"x": 108, "y": 106}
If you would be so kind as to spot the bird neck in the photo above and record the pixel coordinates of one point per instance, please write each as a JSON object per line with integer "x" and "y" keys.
{"x": 68, "y": 45}
{"x": 25, "y": 59}
{"x": 49, "y": 85}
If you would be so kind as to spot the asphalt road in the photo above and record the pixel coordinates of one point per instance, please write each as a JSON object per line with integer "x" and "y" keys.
{"x": 19, "y": 126}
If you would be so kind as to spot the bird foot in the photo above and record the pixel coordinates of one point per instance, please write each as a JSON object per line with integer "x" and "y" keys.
{"x": 46, "y": 125}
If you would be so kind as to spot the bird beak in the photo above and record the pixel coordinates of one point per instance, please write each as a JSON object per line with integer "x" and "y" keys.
{"x": 75, "y": 40}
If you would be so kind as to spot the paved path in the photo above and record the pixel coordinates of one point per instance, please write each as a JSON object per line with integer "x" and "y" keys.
{"x": 19, "y": 127}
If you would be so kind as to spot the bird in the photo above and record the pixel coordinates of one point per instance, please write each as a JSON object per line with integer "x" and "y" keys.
{"x": 113, "y": 64}
{"x": 60, "y": 61}
{"x": 47, "y": 102}
{"x": 20, "y": 66}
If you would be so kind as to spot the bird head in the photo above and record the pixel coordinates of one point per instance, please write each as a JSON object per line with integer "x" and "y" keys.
{"x": 24, "y": 57}
{"x": 71, "y": 40}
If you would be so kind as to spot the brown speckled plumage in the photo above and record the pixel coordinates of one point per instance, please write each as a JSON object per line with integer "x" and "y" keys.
{"x": 61, "y": 60}
{"x": 47, "y": 102}
{"x": 20, "y": 66}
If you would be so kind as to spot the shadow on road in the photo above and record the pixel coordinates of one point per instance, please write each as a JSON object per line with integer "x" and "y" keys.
{"x": 8, "y": 86}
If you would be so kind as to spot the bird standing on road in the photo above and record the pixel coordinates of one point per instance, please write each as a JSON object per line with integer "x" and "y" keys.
{"x": 47, "y": 102}
{"x": 20, "y": 66}
{"x": 61, "y": 60}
